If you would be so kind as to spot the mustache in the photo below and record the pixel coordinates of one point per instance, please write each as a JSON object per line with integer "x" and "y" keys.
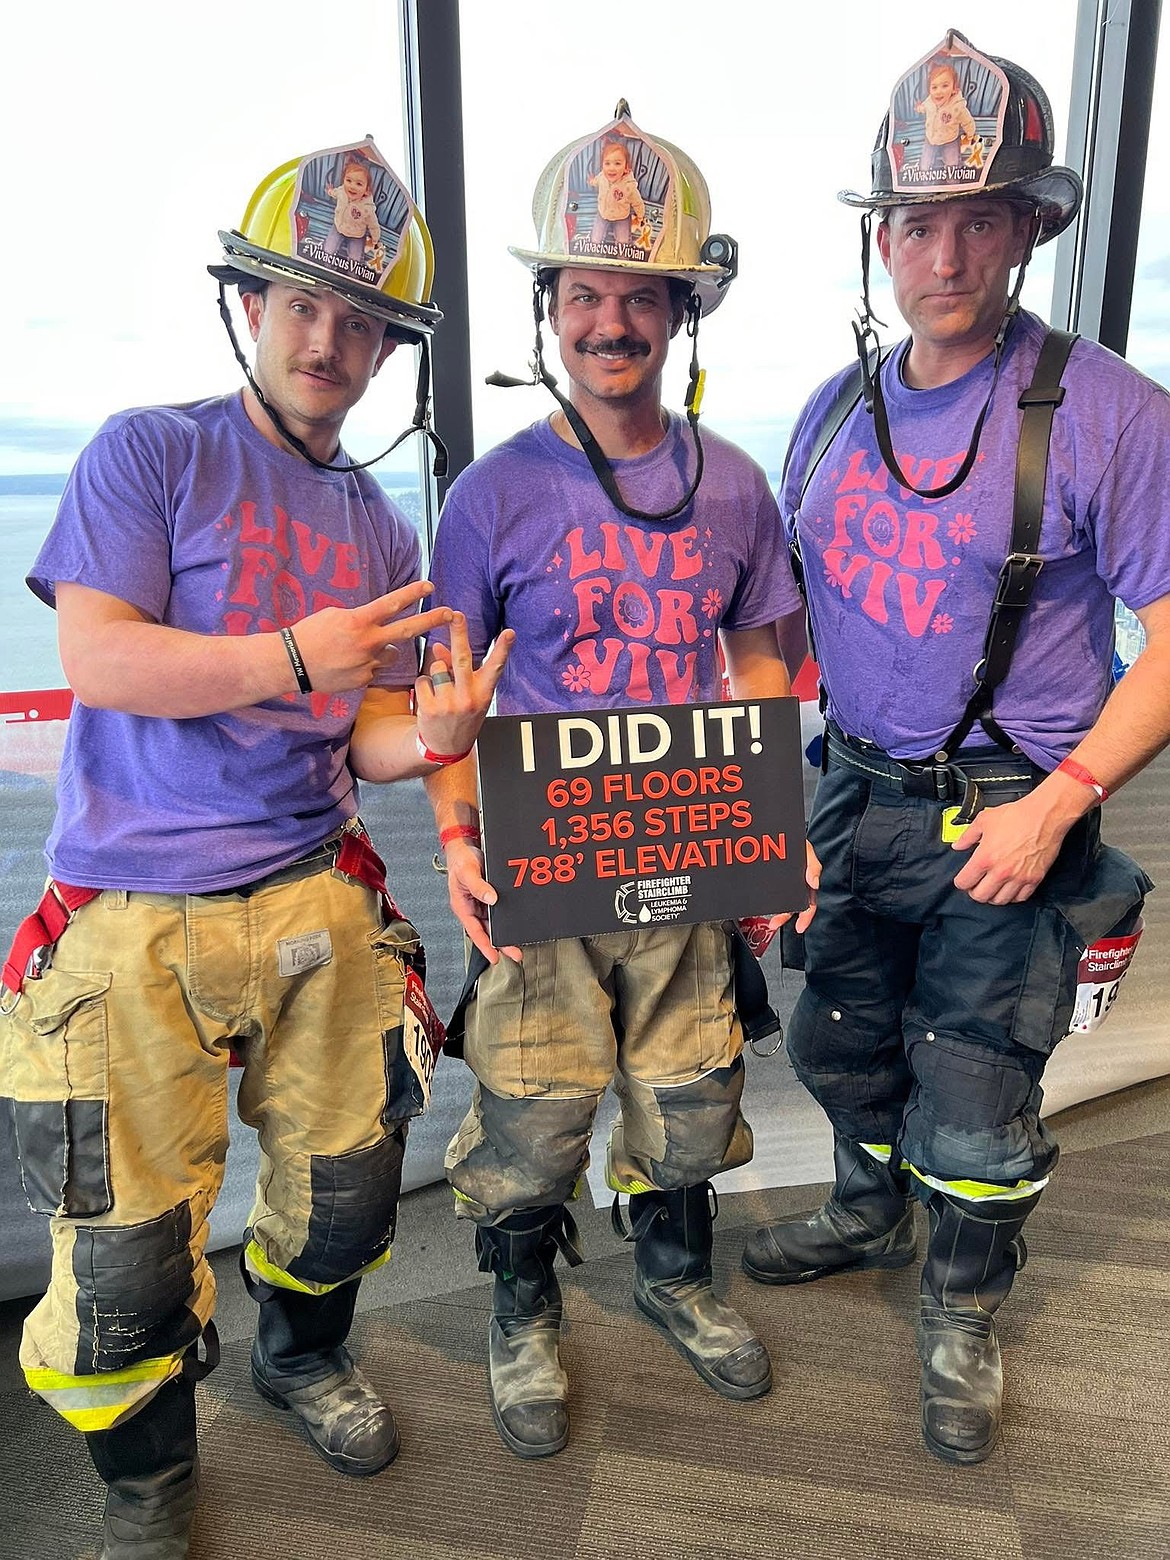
{"x": 624, "y": 344}
{"x": 319, "y": 367}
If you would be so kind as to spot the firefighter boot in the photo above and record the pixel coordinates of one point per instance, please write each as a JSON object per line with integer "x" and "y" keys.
{"x": 973, "y": 1254}
{"x": 150, "y": 1467}
{"x": 868, "y": 1222}
{"x": 300, "y": 1362}
{"x": 672, "y": 1286}
{"x": 528, "y": 1386}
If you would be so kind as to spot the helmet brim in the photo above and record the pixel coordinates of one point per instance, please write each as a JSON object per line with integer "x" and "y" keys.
{"x": 1057, "y": 192}
{"x": 244, "y": 261}
{"x": 709, "y": 281}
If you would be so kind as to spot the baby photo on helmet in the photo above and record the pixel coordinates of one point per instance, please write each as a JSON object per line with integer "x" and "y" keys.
{"x": 616, "y": 191}
{"x": 946, "y": 120}
{"x": 349, "y": 212}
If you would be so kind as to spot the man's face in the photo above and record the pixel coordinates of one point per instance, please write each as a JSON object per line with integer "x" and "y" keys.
{"x": 315, "y": 355}
{"x": 614, "y": 329}
{"x": 950, "y": 263}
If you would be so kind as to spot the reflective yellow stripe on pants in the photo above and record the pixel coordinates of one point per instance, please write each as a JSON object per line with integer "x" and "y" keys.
{"x": 981, "y": 1191}
{"x": 260, "y": 1267}
{"x": 102, "y": 1401}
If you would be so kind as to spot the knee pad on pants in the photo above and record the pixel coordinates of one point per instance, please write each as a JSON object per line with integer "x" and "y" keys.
{"x": 353, "y": 1212}
{"x": 523, "y": 1152}
{"x": 975, "y": 1112}
{"x": 120, "y": 1295}
{"x": 681, "y": 1135}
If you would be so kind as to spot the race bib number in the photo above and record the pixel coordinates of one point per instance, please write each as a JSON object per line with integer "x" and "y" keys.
{"x": 423, "y": 1034}
{"x": 1098, "y": 978}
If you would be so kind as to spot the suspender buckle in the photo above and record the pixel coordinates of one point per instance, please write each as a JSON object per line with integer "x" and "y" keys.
{"x": 1017, "y": 579}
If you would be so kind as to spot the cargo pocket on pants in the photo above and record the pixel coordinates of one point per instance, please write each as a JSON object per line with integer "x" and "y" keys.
{"x": 410, "y": 1061}
{"x": 1107, "y": 902}
{"x": 56, "y": 1072}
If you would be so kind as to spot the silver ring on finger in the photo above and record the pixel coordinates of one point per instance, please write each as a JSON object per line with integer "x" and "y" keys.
{"x": 439, "y": 677}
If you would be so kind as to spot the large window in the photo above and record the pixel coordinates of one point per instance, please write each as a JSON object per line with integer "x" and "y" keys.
{"x": 132, "y": 133}
{"x": 779, "y": 106}
{"x": 1149, "y": 326}
{"x": 124, "y": 166}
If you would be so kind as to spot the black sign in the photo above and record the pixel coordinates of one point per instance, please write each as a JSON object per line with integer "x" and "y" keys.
{"x": 619, "y": 818}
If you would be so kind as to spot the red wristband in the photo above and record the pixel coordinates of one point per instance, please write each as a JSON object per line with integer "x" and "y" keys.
{"x": 437, "y": 758}
{"x": 1075, "y": 771}
{"x": 459, "y": 831}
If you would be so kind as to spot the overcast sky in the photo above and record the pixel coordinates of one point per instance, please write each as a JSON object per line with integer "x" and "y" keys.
{"x": 136, "y": 130}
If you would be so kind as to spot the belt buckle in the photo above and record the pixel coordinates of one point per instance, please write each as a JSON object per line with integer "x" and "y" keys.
{"x": 942, "y": 777}
{"x": 933, "y": 781}
{"x": 925, "y": 780}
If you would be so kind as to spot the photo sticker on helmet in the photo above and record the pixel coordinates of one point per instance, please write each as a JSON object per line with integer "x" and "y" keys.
{"x": 616, "y": 192}
{"x": 946, "y": 121}
{"x": 349, "y": 212}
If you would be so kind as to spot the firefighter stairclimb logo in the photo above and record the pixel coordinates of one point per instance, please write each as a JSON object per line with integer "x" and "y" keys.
{"x": 644, "y": 901}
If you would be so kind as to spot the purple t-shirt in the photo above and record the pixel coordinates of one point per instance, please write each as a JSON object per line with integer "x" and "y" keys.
{"x": 188, "y": 514}
{"x": 901, "y": 587}
{"x": 610, "y": 612}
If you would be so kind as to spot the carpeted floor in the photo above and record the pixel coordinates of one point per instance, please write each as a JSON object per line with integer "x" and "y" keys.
{"x": 658, "y": 1468}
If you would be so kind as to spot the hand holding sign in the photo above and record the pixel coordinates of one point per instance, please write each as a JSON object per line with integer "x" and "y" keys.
{"x": 471, "y": 894}
{"x": 759, "y": 930}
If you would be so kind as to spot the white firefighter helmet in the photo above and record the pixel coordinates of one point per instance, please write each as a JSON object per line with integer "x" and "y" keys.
{"x": 620, "y": 200}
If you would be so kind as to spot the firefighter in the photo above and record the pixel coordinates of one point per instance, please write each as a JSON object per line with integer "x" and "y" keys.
{"x": 238, "y": 606}
{"x": 965, "y": 648}
{"x": 694, "y": 528}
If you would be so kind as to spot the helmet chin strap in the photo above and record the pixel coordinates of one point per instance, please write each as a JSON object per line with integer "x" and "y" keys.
{"x": 869, "y": 347}
{"x": 422, "y": 412}
{"x": 870, "y": 357}
{"x": 601, "y": 467}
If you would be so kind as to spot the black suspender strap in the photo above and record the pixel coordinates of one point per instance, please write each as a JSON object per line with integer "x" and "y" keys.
{"x": 833, "y": 421}
{"x": 835, "y": 418}
{"x": 1021, "y": 567}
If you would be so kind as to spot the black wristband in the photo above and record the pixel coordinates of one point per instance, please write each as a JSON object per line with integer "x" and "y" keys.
{"x": 298, "y": 665}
